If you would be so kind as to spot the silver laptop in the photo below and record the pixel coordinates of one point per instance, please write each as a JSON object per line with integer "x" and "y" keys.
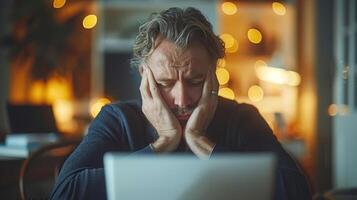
{"x": 185, "y": 177}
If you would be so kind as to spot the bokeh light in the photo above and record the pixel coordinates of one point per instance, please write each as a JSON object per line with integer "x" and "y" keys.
{"x": 332, "y": 110}
{"x": 97, "y": 105}
{"x": 254, "y": 36}
{"x": 222, "y": 75}
{"x": 229, "y": 8}
{"x": 228, "y": 40}
{"x": 226, "y": 93}
{"x": 57, "y": 88}
{"x": 233, "y": 48}
{"x": 271, "y": 74}
{"x": 89, "y": 21}
{"x": 293, "y": 79}
{"x": 221, "y": 62}
{"x": 278, "y": 8}
{"x": 58, "y": 3}
{"x": 255, "y": 93}
{"x": 63, "y": 110}
{"x": 37, "y": 91}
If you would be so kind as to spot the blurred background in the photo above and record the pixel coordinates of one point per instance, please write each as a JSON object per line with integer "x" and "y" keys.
{"x": 293, "y": 59}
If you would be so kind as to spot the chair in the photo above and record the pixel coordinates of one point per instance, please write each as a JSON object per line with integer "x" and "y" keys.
{"x": 42, "y": 167}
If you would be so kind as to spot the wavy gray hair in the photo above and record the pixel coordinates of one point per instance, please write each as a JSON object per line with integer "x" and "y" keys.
{"x": 181, "y": 26}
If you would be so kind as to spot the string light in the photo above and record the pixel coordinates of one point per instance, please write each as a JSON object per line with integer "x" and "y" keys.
{"x": 228, "y": 40}
{"x": 58, "y": 3}
{"x": 278, "y": 8}
{"x": 221, "y": 62}
{"x": 226, "y": 93}
{"x": 254, "y": 36}
{"x": 229, "y": 8}
{"x": 255, "y": 93}
{"x": 222, "y": 75}
{"x": 234, "y": 48}
{"x": 89, "y": 21}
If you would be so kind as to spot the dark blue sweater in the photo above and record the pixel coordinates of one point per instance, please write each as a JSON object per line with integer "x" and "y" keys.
{"x": 123, "y": 127}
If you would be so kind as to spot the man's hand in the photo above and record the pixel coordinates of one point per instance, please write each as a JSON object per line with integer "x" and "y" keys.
{"x": 159, "y": 115}
{"x": 200, "y": 118}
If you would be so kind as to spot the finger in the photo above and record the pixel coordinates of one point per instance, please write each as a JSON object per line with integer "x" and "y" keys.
{"x": 207, "y": 87}
{"x": 215, "y": 84}
{"x": 144, "y": 86}
{"x": 152, "y": 84}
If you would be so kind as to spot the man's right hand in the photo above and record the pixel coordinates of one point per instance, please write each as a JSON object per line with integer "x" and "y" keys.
{"x": 159, "y": 115}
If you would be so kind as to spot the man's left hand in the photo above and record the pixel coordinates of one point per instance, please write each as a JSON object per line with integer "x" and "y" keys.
{"x": 200, "y": 118}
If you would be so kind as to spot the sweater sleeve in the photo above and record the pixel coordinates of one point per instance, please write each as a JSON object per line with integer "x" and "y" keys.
{"x": 82, "y": 175}
{"x": 249, "y": 132}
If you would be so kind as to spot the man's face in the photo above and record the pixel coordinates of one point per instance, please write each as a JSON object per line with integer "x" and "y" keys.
{"x": 180, "y": 75}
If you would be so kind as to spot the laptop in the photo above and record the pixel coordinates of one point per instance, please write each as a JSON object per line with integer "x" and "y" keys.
{"x": 28, "y": 118}
{"x": 185, "y": 177}
{"x": 31, "y": 127}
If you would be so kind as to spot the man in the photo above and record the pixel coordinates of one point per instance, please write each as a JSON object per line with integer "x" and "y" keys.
{"x": 176, "y": 53}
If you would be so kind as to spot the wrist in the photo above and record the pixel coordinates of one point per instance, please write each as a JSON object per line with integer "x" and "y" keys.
{"x": 164, "y": 144}
{"x": 193, "y": 134}
{"x": 200, "y": 145}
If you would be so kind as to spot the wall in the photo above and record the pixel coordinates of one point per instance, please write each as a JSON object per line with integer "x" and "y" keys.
{"x": 4, "y": 67}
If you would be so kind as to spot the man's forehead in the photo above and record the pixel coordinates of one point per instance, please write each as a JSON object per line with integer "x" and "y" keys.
{"x": 167, "y": 59}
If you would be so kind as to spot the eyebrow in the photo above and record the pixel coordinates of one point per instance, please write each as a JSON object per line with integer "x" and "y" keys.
{"x": 197, "y": 76}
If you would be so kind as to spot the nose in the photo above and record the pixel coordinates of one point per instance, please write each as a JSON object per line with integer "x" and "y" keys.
{"x": 181, "y": 95}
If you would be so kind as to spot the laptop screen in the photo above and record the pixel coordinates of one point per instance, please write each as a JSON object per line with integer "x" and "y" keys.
{"x": 183, "y": 177}
{"x": 26, "y": 118}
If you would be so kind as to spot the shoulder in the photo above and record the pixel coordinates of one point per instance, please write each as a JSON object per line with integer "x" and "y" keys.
{"x": 120, "y": 110}
{"x": 122, "y": 106}
{"x": 226, "y": 106}
{"x": 116, "y": 115}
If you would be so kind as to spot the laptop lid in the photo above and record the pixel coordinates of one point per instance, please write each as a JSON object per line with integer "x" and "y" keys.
{"x": 27, "y": 118}
{"x": 183, "y": 177}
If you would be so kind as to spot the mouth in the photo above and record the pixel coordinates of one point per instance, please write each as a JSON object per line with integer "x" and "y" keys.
{"x": 183, "y": 117}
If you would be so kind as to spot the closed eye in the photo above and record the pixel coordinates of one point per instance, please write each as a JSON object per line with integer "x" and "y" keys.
{"x": 164, "y": 84}
{"x": 197, "y": 82}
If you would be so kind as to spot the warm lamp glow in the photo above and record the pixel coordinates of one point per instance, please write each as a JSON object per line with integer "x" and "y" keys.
{"x": 271, "y": 74}
{"x": 277, "y": 76}
{"x": 229, "y": 8}
{"x": 63, "y": 110}
{"x": 221, "y": 62}
{"x": 254, "y": 36}
{"x": 57, "y": 88}
{"x": 255, "y": 93}
{"x": 294, "y": 78}
{"x": 97, "y": 105}
{"x": 278, "y": 8}
{"x": 48, "y": 92}
{"x": 89, "y": 21}
{"x": 228, "y": 40}
{"x": 37, "y": 91}
{"x": 222, "y": 75}
{"x": 58, "y": 3}
{"x": 226, "y": 93}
